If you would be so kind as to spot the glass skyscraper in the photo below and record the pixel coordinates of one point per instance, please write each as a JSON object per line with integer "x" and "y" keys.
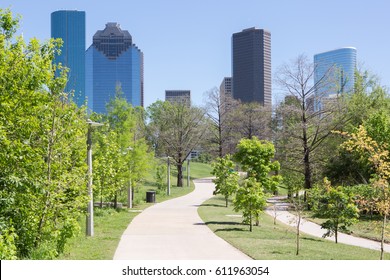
{"x": 113, "y": 63}
{"x": 70, "y": 27}
{"x": 338, "y": 68}
{"x": 251, "y": 66}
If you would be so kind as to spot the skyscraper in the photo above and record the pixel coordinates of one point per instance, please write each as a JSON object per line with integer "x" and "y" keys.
{"x": 113, "y": 63}
{"x": 338, "y": 66}
{"x": 70, "y": 27}
{"x": 251, "y": 66}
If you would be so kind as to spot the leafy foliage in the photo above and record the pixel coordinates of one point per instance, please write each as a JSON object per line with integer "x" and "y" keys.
{"x": 250, "y": 199}
{"x": 226, "y": 182}
{"x": 255, "y": 157}
{"x": 336, "y": 205}
{"x": 42, "y": 148}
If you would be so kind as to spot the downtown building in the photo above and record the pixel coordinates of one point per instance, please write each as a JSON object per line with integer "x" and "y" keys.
{"x": 69, "y": 26}
{"x": 334, "y": 74}
{"x": 113, "y": 64}
{"x": 178, "y": 96}
{"x": 251, "y": 66}
{"x": 226, "y": 87}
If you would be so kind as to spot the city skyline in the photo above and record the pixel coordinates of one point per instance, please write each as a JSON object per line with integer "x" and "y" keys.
{"x": 189, "y": 45}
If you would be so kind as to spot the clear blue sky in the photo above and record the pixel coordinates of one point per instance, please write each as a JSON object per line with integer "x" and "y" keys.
{"x": 187, "y": 44}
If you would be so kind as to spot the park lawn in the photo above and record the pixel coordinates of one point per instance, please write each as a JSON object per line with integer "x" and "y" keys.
{"x": 274, "y": 242}
{"x": 109, "y": 224}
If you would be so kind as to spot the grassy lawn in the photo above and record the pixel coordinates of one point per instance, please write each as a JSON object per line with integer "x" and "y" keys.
{"x": 274, "y": 242}
{"x": 109, "y": 224}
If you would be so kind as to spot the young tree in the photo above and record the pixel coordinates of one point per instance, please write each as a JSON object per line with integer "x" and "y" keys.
{"x": 176, "y": 129}
{"x": 336, "y": 205}
{"x": 226, "y": 181}
{"x": 255, "y": 157}
{"x": 378, "y": 157}
{"x": 304, "y": 126}
{"x": 250, "y": 199}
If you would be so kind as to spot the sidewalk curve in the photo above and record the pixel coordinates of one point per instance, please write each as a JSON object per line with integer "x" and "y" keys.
{"x": 284, "y": 216}
{"x": 173, "y": 230}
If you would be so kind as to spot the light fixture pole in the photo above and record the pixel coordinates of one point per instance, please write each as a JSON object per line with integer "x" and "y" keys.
{"x": 169, "y": 178}
{"x": 130, "y": 188}
{"x": 188, "y": 172}
{"x": 89, "y": 227}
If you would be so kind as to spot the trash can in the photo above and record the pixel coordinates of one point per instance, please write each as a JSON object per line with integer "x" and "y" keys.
{"x": 151, "y": 196}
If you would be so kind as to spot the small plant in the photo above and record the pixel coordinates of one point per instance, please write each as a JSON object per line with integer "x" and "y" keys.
{"x": 161, "y": 178}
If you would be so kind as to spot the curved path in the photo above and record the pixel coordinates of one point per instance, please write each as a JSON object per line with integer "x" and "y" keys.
{"x": 173, "y": 230}
{"x": 283, "y": 215}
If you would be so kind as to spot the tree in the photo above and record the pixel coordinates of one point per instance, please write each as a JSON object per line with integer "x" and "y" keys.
{"x": 176, "y": 129}
{"x": 255, "y": 157}
{"x": 226, "y": 181}
{"x": 252, "y": 119}
{"x": 220, "y": 108}
{"x": 122, "y": 154}
{"x": 303, "y": 128}
{"x": 378, "y": 157}
{"x": 250, "y": 199}
{"x": 368, "y": 104}
{"x": 42, "y": 148}
{"x": 336, "y": 205}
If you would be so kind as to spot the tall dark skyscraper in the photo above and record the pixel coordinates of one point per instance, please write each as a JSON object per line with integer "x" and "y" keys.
{"x": 251, "y": 66}
{"x": 113, "y": 63}
{"x": 70, "y": 27}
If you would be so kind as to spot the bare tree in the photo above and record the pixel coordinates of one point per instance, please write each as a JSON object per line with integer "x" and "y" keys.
{"x": 252, "y": 119}
{"x": 308, "y": 115}
{"x": 177, "y": 130}
{"x": 220, "y": 108}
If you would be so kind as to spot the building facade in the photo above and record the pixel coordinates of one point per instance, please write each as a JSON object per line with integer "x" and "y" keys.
{"x": 226, "y": 87}
{"x": 70, "y": 27}
{"x": 113, "y": 63}
{"x": 179, "y": 96}
{"x": 337, "y": 69}
{"x": 251, "y": 66}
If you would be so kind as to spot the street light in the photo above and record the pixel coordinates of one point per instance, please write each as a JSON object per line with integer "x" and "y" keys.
{"x": 130, "y": 188}
{"x": 169, "y": 178}
{"x": 188, "y": 172}
{"x": 89, "y": 227}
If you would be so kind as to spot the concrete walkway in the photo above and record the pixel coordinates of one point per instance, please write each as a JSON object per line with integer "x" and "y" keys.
{"x": 284, "y": 216}
{"x": 173, "y": 230}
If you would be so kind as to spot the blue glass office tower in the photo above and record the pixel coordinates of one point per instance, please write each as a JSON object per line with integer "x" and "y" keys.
{"x": 338, "y": 68}
{"x": 251, "y": 66}
{"x": 70, "y": 27}
{"x": 113, "y": 63}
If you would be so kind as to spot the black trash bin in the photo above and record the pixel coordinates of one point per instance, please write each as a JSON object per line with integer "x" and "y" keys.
{"x": 151, "y": 196}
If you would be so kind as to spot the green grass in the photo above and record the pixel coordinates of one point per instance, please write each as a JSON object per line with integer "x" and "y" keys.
{"x": 109, "y": 224}
{"x": 275, "y": 242}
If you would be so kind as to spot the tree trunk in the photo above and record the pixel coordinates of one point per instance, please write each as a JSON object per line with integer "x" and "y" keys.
{"x": 336, "y": 233}
{"x": 250, "y": 222}
{"x": 383, "y": 235}
{"x": 298, "y": 233}
{"x": 180, "y": 174}
{"x": 226, "y": 199}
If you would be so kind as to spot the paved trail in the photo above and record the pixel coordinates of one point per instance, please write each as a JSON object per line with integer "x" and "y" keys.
{"x": 314, "y": 229}
{"x": 173, "y": 230}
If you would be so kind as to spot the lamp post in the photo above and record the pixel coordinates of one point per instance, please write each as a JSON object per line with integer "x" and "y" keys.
{"x": 130, "y": 188}
{"x": 89, "y": 227}
{"x": 188, "y": 172}
{"x": 169, "y": 178}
